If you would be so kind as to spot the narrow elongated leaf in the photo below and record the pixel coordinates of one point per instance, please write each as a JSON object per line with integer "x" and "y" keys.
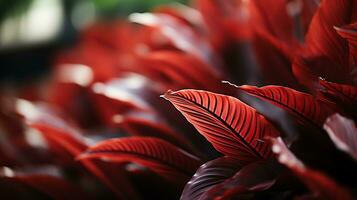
{"x": 180, "y": 70}
{"x": 158, "y": 155}
{"x": 273, "y": 19}
{"x": 321, "y": 38}
{"x": 64, "y": 143}
{"x": 223, "y": 22}
{"x": 343, "y": 133}
{"x": 110, "y": 107}
{"x": 232, "y": 127}
{"x": 344, "y": 96}
{"x": 340, "y": 93}
{"x": 275, "y": 58}
{"x": 302, "y": 105}
{"x": 41, "y": 186}
{"x": 208, "y": 175}
{"x": 320, "y": 184}
{"x": 67, "y": 145}
{"x": 326, "y": 53}
{"x": 142, "y": 127}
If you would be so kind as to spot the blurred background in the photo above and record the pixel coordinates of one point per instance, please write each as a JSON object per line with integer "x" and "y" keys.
{"x": 32, "y": 31}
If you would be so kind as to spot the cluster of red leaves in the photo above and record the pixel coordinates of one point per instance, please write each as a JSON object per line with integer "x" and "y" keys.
{"x": 101, "y": 125}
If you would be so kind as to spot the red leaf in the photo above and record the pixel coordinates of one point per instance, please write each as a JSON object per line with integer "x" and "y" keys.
{"x": 323, "y": 186}
{"x": 322, "y": 39}
{"x": 64, "y": 143}
{"x": 68, "y": 146}
{"x": 142, "y": 127}
{"x": 179, "y": 70}
{"x": 180, "y": 35}
{"x": 343, "y": 133}
{"x": 275, "y": 58}
{"x": 274, "y": 19}
{"x": 208, "y": 175}
{"x": 255, "y": 177}
{"x": 326, "y": 54}
{"x": 74, "y": 102}
{"x": 302, "y": 105}
{"x": 226, "y": 20}
{"x": 232, "y": 127}
{"x": 344, "y": 96}
{"x": 308, "y": 10}
{"x": 49, "y": 186}
{"x": 110, "y": 107}
{"x": 347, "y": 94}
{"x": 158, "y": 155}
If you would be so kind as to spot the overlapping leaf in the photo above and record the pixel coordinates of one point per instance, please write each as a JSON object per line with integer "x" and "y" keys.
{"x": 232, "y": 127}
{"x": 302, "y": 105}
{"x": 67, "y": 146}
{"x": 223, "y": 22}
{"x": 142, "y": 127}
{"x": 274, "y": 20}
{"x": 326, "y": 53}
{"x": 180, "y": 70}
{"x": 158, "y": 155}
{"x": 343, "y": 95}
{"x": 255, "y": 177}
{"x": 208, "y": 175}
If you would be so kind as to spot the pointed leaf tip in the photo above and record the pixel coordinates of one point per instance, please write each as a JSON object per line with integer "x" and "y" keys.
{"x": 221, "y": 119}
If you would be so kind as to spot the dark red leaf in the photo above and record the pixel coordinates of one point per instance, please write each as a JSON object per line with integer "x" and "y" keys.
{"x": 178, "y": 70}
{"x": 302, "y": 105}
{"x": 275, "y": 20}
{"x": 343, "y": 133}
{"x": 275, "y": 58}
{"x": 67, "y": 145}
{"x": 320, "y": 184}
{"x": 158, "y": 155}
{"x": 322, "y": 39}
{"x": 64, "y": 143}
{"x": 142, "y": 127}
{"x": 208, "y": 175}
{"x": 226, "y": 21}
{"x": 255, "y": 177}
{"x": 110, "y": 107}
{"x": 232, "y": 127}
{"x": 326, "y": 53}
{"x": 345, "y": 96}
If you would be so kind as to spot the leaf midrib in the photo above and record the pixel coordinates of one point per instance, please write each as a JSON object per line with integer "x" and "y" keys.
{"x": 142, "y": 156}
{"x": 245, "y": 143}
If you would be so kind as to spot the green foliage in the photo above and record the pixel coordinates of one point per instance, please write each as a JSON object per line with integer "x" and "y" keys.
{"x": 13, "y": 7}
{"x": 125, "y": 7}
